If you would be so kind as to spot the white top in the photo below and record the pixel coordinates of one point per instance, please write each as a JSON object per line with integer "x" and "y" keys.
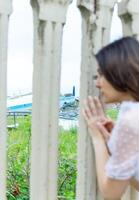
{"x": 124, "y": 144}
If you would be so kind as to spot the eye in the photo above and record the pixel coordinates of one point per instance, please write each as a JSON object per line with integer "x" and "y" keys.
{"x": 95, "y": 77}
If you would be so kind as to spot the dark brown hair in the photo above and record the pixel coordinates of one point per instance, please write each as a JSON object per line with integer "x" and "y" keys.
{"x": 119, "y": 63}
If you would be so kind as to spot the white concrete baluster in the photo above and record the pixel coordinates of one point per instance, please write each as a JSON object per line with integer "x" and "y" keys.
{"x": 49, "y": 18}
{"x": 96, "y": 22}
{"x": 129, "y": 14}
{"x": 134, "y": 194}
{"x": 125, "y": 17}
{"x": 5, "y": 11}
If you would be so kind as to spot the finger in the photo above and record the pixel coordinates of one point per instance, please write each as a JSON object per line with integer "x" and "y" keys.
{"x": 87, "y": 110}
{"x": 103, "y": 131}
{"x": 107, "y": 122}
{"x": 109, "y": 125}
{"x": 106, "y": 137}
{"x": 92, "y": 105}
{"x": 99, "y": 107}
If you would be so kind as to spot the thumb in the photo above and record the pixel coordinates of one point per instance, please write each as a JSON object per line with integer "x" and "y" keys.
{"x": 101, "y": 127}
{"x": 103, "y": 130}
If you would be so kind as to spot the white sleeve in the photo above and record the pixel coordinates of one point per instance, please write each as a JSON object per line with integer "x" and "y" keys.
{"x": 125, "y": 147}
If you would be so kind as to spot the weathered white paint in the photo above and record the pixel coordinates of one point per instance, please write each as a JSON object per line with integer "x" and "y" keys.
{"x": 46, "y": 91}
{"x": 58, "y": 14}
{"x": 86, "y": 177}
{"x": 5, "y": 11}
{"x": 96, "y": 33}
{"x": 6, "y": 7}
{"x": 103, "y": 19}
{"x": 134, "y": 194}
{"x": 129, "y": 14}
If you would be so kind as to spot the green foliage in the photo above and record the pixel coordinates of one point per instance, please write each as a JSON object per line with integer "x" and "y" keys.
{"x": 67, "y": 164}
{"x": 18, "y": 172}
{"x": 112, "y": 113}
{"x": 18, "y": 161}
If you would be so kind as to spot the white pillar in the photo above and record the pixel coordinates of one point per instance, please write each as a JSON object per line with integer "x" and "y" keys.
{"x": 134, "y": 194}
{"x": 101, "y": 19}
{"x": 49, "y": 18}
{"x": 129, "y": 14}
{"x": 5, "y": 11}
{"x": 96, "y": 22}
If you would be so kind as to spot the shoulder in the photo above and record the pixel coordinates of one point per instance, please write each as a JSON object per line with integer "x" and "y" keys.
{"x": 129, "y": 110}
{"x": 126, "y": 128}
{"x": 129, "y": 115}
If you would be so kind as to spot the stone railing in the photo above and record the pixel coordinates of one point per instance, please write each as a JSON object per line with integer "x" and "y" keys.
{"x": 49, "y": 19}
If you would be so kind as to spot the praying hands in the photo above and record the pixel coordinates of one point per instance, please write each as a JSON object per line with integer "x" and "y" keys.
{"x": 96, "y": 118}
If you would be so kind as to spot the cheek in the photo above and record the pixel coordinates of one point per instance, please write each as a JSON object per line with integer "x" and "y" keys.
{"x": 104, "y": 84}
{"x": 101, "y": 82}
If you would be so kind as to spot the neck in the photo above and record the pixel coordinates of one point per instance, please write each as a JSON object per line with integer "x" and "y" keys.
{"x": 127, "y": 98}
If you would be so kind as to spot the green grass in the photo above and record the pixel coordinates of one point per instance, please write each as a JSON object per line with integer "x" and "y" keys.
{"x": 18, "y": 172}
{"x": 18, "y": 161}
{"x": 67, "y": 164}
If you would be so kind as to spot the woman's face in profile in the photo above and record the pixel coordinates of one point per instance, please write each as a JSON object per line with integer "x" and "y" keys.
{"x": 108, "y": 92}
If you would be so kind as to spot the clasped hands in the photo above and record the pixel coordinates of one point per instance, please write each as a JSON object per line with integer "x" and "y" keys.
{"x": 96, "y": 119}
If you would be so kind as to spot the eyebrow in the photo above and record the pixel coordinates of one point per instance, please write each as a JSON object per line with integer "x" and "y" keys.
{"x": 99, "y": 71}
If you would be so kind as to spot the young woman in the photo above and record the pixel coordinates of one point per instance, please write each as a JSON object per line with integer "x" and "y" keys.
{"x": 116, "y": 145}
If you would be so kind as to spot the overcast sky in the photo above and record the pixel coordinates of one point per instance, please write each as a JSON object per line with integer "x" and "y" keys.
{"x": 21, "y": 48}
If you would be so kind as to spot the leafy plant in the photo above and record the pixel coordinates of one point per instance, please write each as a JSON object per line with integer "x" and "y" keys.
{"x": 18, "y": 161}
{"x": 18, "y": 172}
{"x": 67, "y": 164}
{"x": 112, "y": 113}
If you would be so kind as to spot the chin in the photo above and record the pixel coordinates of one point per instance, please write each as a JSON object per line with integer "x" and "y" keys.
{"x": 108, "y": 100}
{"x": 104, "y": 99}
